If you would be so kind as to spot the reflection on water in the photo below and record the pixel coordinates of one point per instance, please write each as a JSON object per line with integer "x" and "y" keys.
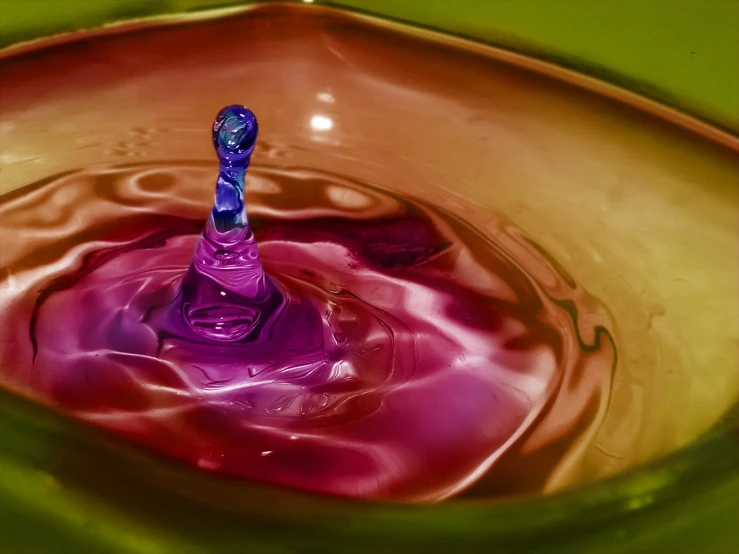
{"x": 639, "y": 213}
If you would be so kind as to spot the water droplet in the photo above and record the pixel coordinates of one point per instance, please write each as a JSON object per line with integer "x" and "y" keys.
{"x": 234, "y": 135}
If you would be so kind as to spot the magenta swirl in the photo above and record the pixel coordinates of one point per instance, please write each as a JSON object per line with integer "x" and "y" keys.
{"x": 402, "y": 356}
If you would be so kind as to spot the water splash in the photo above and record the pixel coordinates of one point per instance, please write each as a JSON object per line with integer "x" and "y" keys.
{"x": 384, "y": 349}
{"x": 225, "y": 294}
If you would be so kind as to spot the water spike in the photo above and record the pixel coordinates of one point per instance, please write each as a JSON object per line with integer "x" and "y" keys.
{"x": 234, "y": 137}
{"x": 225, "y": 292}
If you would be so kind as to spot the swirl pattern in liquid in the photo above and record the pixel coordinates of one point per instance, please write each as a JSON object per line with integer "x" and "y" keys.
{"x": 388, "y": 351}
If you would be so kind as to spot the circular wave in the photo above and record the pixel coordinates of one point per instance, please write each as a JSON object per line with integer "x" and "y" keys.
{"x": 415, "y": 356}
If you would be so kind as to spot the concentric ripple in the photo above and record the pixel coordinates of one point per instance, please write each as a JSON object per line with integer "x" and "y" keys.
{"x": 411, "y": 355}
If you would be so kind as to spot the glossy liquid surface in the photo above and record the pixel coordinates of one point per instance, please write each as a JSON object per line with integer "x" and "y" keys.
{"x": 387, "y": 199}
{"x": 394, "y": 352}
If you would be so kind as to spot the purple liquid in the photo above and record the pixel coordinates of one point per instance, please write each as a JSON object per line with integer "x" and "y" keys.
{"x": 386, "y": 349}
{"x": 225, "y": 295}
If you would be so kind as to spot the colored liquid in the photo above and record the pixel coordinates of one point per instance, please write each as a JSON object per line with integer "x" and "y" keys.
{"x": 408, "y": 340}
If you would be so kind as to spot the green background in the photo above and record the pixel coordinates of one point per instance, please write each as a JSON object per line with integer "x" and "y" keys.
{"x": 682, "y": 52}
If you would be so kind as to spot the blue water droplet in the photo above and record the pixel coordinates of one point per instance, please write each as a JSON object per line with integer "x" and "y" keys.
{"x": 234, "y": 135}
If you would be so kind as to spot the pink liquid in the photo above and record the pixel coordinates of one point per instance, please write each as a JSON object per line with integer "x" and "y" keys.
{"x": 404, "y": 355}
{"x": 416, "y": 345}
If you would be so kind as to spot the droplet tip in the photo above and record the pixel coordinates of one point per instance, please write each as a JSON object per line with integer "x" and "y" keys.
{"x": 235, "y": 134}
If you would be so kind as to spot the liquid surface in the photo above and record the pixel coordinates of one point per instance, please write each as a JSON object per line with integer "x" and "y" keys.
{"x": 453, "y": 350}
{"x": 402, "y": 354}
